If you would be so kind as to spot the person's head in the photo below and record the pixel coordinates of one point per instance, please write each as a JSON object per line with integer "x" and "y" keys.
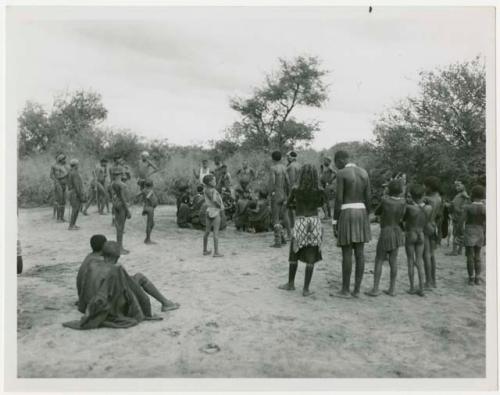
{"x": 308, "y": 178}
{"x": 394, "y": 188}
{"x": 223, "y": 169}
{"x": 217, "y": 161}
{"x": 263, "y": 195}
{"x": 199, "y": 189}
{"x": 327, "y": 161}
{"x": 244, "y": 184}
{"x": 209, "y": 180}
{"x": 291, "y": 156}
{"x": 276, "y": 156}
{"x": 73, "y": 163}
{"x": 252, "y": 205}
{"x": 117, "y": 159}
{"x": 111, "y": 251}
{"x": 431, "y": 184}
{"x": 144, "y": 155}
{"x": 341, "y": 159}
{"x": 185, "y": 199}
{"x": 478, "y": 192}
{"x": 97, "y": 242}
{"x": 244, "y": 164}
{"x": 148, "y": 184}
{"x": 204, "y": 163}
{"x": 416, "y": 192}
{"x": 459, "y": 186}
{"x": 104, "y": 162}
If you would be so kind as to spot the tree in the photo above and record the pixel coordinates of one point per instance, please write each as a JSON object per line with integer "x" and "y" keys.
{"x": 267, "y": 120}
{"x": 34, "y": 131}
{"x": 442, "y": 131}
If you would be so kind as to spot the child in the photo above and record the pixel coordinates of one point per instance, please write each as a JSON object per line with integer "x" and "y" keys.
{"x": 150, "y": 203}
{"x": 259, "y": 216}
{"x": 474, "y": 216}
{"x": 432, "y": 231}
{"x": 391, "y": 211}
{"x": 241, "y": 213}
{"x": 183, "y": 213}
{"x": 415, "y": 220}
{"x": 198, "y": 201}
{"x": 213, "y": 216}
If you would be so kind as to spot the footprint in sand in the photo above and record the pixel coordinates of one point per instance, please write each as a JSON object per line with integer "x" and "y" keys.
{"x": 210, "y": 348}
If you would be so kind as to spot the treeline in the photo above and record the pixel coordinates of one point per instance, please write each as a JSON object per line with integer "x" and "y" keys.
{"x": 440, "y": 132}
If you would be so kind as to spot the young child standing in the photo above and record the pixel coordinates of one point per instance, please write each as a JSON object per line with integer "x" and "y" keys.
{"x": 474, "y": 216}
{"x": 415, "y": 220}
{"x": 150, "y": 203}
{"x": 391, "y": 211}
{"x": 213, "y": 216}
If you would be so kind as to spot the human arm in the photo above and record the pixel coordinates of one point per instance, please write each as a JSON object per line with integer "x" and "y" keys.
{"x": 368, "y": 195}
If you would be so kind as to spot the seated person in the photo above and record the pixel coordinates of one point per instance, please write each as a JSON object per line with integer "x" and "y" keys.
{"x": 183, "y": 213}
{"x": 182, "y": 192}
{"x": 241, "y": 212}
{"x": 259, "y": 214}
{"x": 109, "y": 297}
{"x": 198, "y": 201}
{"x": 242, "y": 189}
{"x": 96, "y": 244}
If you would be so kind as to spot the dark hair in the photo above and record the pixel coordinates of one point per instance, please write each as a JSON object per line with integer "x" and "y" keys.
{"x": 252, "y": 205}
{"x": 263, "y": 194}
{"x": 326, "y": 158}
{"x": 478, "y": 192}
{"x": 104, "y": 160}
{"x": 276, "y": 155}
{"x": 97, "y": 242}
{"x": 395, "y": 188}
{"x": 148, "y": 183}
{"x": 207, "y": 179}
{"x": 185, "y": 199}
{"x": 416, "y": 191}
{"x": 199, "y": 188}
{"x": 341, "y": 155}
{"x": 308, "y": 178}
{"x": 432, "y": 183}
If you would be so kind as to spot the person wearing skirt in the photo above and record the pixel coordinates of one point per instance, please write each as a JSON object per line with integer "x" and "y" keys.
{"x": 307, "y": 233}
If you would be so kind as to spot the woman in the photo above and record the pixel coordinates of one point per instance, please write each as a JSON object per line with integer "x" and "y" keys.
{"x": 307, "y": 235}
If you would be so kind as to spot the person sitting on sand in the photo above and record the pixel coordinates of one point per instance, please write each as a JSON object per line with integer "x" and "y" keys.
{"x": 195, "y": 207}
{"x": 391, "y": 212}
{"x": 259, "y": 216}
{"x": 96, "y": 244}
{"x": 307, "y": 233}
{"x": 352, "y": 208}
{"x": 241, "y": 212}
{"x": 474, "y": 217}
{"x": 213, "y": 216}
{"x": 415, "y": 220}
{"x": 183, "y": 213}
{"x": 111, "y": 298}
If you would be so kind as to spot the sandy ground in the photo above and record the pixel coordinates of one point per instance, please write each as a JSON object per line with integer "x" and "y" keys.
{"x": 233, "y": 320}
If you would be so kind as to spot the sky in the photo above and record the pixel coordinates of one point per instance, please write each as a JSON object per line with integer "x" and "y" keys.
{"x": 169, "y": 72}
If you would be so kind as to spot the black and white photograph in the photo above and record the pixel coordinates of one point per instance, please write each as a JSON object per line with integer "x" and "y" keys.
{"x": 252, "y": 192}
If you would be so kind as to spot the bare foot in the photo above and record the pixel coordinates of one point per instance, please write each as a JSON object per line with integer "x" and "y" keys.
{"x": 154, "y": 317}
{"x": 84, "y": 213}
{"x": 389, "y": 292}
{"x": 355, "y": 294}
{"x": 427, "y": 286}
{"x": 477, "y": 281}
{"x": 307, "y": 292}
{"x": 149, "y": 242}
{"x": 170, "y": 307}
{"x": 411, "y": 291}
{"x": 420, "y": 293}
{"x": 218, "y": 255}
{"x": 275, "y": 246}
{"x": 287, "y": 287}
{"x": 342, "y": 294}
{"x": 123, "y": 251}
{"x": 373, "y": 293}
{"x": 433, "y": 284}
{"x": 207, "y": 252}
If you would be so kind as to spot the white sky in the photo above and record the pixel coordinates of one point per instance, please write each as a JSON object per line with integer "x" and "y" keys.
{"x": 169, "y": 72}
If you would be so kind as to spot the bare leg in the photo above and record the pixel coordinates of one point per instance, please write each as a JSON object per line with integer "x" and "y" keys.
{"x": 208, "y": 226}
{"x": 307, "y": 279}
{"x": 469, "y": 251}
{"x": 433, "y": 264}
{"x": 419, "y": 252}
{"x": 393, "y": 262}
{"x": 477, "y": 264}
{"x": 346, "y": 269}
{"x": 216, "y": 223}
{"x": 410, "y": 257}
{"x": 377, "y": 273}
{"x": 292, "y": 270}
{"x": 120, "y": 217}
{"x": 427, "y": 262}
{"x": 149, "y": 227}
{"x": 150, "y": 288}
{"x": 359, "y": 255}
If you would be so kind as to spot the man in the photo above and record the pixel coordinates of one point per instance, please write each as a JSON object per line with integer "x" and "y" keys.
{"x": 109, "y": 297}
{"x": 59, "y": 174}
{"x": 292, "y": 169}
{"x": 202, "y": 172}
{"x": 327, "y": 179}
{"x": 351, "y": 224}
{"x": 456, "y": 209}
{"x": 245, "y": 174}
{"x": 279, "y": 188}
{"x": 144, "y": 173}
{"x": 98, "y": 189}
{"x": 76, "y": 197}
{"x": 121, "y": 211}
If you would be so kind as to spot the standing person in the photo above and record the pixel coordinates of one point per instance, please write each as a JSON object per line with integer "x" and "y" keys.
{"x": 224, "y": 181}
{"x": 150, "y": 202}
{"x": 218, "y": 170}
{"x": 351, "y": 224}
{"x": 474, "y": 217}
{"x": 279, "y": 187}
{"x": 391, "y": 212}
{"x": 307, "y": 235}
{"x": 431, "y": 231}
{"x": 144, "y": 172}
{"x": 59, "y": 174}
{"x": 203, "y": 171}
{"x": 246, "y": 174}
{"x": 121, "y": 211}
{"x": 115, "y": 171}
{"x": 456, "y": 208}
{"x": 98, "y": 189}
{"x": 292, "y": 170}
{"x": 328, "y": 176}
{"x": 213, "y": 215}
{"x": 76, "y": 197}
{"x": 415, "y": 221}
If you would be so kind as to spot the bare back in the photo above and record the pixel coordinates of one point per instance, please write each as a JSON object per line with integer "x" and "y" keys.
{"x": 353, "y": 186}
